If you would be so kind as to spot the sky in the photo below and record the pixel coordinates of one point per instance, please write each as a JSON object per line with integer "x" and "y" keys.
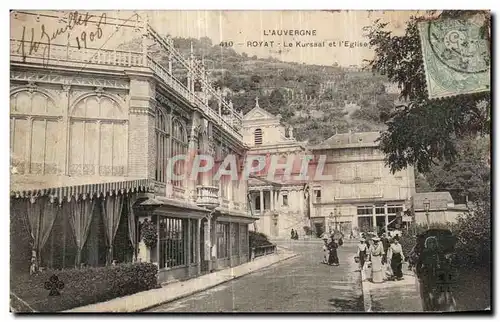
{"x": 336, "y": 32}
{"x": 243, "y": 26}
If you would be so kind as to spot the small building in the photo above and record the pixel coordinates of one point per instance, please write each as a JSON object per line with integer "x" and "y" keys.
{"x": 436, "y": 207}
{"x": 362, "y": 194}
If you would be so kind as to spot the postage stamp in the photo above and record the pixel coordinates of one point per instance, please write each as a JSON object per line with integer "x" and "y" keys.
{"x": 456, "y": 57}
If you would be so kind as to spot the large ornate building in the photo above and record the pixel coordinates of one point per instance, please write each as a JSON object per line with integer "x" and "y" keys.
{"x": 279, "y": 202}
{"x": 92, "y": 132}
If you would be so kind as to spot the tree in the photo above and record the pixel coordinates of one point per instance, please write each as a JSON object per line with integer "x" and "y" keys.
{"x": 469, "y": 175}
{"x": 276, "y": 99}
{"x": 422, "y": 131}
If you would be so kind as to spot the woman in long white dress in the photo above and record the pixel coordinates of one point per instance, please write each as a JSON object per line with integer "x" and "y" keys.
{"x": 376, "y": 253}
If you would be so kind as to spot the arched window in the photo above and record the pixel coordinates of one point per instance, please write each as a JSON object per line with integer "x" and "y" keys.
{"x": 179, "y": 147}
{"x": 35, "y": 134}
{"x": 98, "y": 138}
{"x": 162, "y": 145}
{"x": 258, "y": 136}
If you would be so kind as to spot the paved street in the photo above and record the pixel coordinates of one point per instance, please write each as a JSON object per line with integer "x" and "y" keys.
{"x": 298, "y": 284}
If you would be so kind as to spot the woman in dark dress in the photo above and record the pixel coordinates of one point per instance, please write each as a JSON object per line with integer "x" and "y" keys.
{"x": 333, "y": 258}
{"x": 396, "y": 258}
{"x": 433, "y": 263}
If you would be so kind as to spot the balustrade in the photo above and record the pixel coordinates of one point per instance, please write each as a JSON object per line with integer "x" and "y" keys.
{"x": 60, "y": 54}
{"x": 207, "y": 196}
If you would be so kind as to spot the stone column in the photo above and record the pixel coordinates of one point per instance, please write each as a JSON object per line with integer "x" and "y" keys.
{"x": 198, "y": 246}
{"x": 66, "y": 126}
{"x": 374, "y": 217}
{"x": 141, "y": 134}
{"x": 230, "y": 245}
{"x": 301, "y": 201}
{"x": 187, "y": 247}
{"x": 208, "y": 242}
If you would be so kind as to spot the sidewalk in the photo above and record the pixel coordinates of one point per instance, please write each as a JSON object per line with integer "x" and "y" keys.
{"x": 174, "y": 291}
{"x": 392, "y": 296}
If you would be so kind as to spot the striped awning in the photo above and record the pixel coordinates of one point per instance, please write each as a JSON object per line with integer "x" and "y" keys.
{"x": 63, "y": 188}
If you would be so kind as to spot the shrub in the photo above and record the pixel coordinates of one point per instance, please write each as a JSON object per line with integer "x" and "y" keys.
{"x": 257, "y": 239}
{"x": 149, "y": 233}
{"x": 83, "y": 286}
{"x": 474, "y": 238}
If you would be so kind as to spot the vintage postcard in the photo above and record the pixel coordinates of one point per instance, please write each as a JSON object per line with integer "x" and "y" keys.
{"x": 250, "y": 161}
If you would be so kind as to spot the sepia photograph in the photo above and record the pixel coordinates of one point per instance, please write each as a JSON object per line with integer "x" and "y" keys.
{"x": 244, "y": 161}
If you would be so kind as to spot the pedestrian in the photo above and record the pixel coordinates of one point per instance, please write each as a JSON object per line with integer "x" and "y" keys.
{"x": 292, "y": 233}
{"x": 386, "y": 244}
{"x": 376, "y": 253}
{"x": 362, "y": 253}
{"x": 333, "y": 258}
{"x": 432, "y": 264}
{"x": 396, "y": 258}
{"x": 325, "y": 250}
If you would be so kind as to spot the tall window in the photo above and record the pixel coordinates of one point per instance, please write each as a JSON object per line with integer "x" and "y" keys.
{"x": 365, "y": 210}
{"x": 98, "y": 138}
{"x": 257, "y": 203}
{"x": 258, "y": 136}
{"x": 173, "y": 238}
{"x": 394, "y": 209}
{"x": 162, "y": 148}
{"x": 222, "y": 230}
{"x": 285, "y": 200}
{"x": 35, "y": 133}
{"x": 317, "y": 195}
{"x": 179, "y": 147}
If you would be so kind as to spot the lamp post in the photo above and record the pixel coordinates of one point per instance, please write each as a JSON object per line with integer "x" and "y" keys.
{"x": 330, "y": 223}
{"x": 337, "y": 215}
{"x": 427, "y": 206}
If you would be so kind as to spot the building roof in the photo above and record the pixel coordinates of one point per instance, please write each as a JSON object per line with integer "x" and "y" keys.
{"x": 438, "y": 200}
{"x": 61, "y": 187}
{"x": 350, "y": 139}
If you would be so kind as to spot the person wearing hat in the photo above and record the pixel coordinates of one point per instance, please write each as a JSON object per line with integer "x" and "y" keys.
{"x": 362, "y": 253}
{"x": 376, "y": 253}
{"x": 396, "y": 258}
{"x": 333, "y": 258}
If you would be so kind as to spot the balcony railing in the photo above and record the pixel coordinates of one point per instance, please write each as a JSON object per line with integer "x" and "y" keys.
{"x": 207, "y": 196}
{"x": 191, "y": 96}
{"x": 61, "y": 54}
